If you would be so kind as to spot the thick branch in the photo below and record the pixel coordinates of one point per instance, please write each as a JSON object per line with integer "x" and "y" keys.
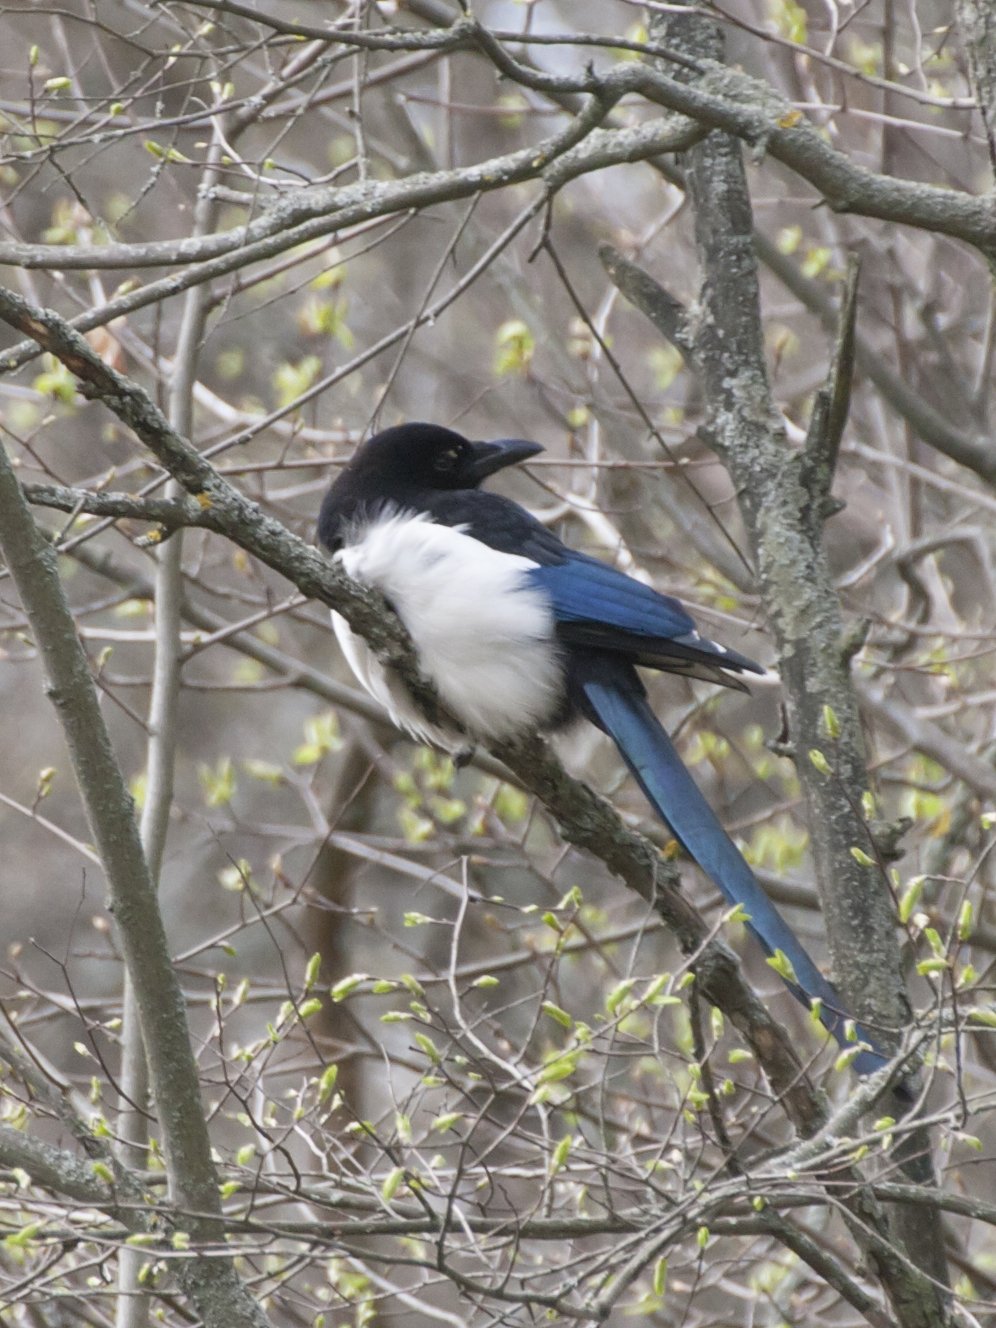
{"x": 798, "y": 595}
{"x": 169, "y": 513}
{"x": 59, "y": 1171}
{"x": 293, "y": 219}
{"x": 109, "y": 809}
{"x": 751, "y": 110}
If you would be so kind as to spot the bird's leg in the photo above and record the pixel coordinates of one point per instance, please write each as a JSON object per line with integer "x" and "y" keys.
{"x": 463, "y": 756}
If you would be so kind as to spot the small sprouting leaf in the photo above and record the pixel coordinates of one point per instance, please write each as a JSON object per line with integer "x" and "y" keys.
{"x": 332, "y": 276}
{"x": 935, "y": 941}
{"x": 848, "y": 1056}
{"x": 926, "y": 966}
{"x": 515, "y": 348}
{"x": 447, "y": 810}
{"x": 291, "y": 381}
{"x": 967, "y": 976}
{"x": 782, "y": 965}
{"x": 656, "y": 987}
{"x": 236, "y": 876}
{"x": 618, "y": 995}
{"x": 562, "y": 1067}
{"x": 345, "y": 986}
{"x": 414, "y": 919}
{"x": 511, "y": 804}
{"x": 560, "y": 1154}
{"x": 321, "y": 735}
{"x": 660, "y": 1276}
{"x": 326, "y": 318}
{"x": 218, "y": 782}
{"x": 428, "y": 1047}
{"x": 831, "y": 724}
{"x": 326, "y": 1083}
{"x": 966, "y": 920}
{"x": 392, "y": 1183}
{"x": 736, "y": 914}
{"x": 556, "y": 1013}
{"x": 910, "y": 898}
{"x": 816, "y": 261}
{"x": 57, "y": 382}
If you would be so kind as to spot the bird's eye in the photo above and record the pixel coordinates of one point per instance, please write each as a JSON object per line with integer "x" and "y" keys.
{"x": 447, "y": 461}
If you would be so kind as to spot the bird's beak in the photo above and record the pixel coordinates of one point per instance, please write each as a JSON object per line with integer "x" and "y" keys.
{"x": 496, "y": 455}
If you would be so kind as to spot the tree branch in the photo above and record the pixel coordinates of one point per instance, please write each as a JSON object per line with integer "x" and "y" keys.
{"x": 219, "y": 1295}
{"x": 320, "y": 210}
{"x": 169, "y": 514}
{"x": 798, "y": 594}
{"x": 830, "y": 410}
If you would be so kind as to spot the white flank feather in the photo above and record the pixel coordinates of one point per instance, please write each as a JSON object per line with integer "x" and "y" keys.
{"x": 484, "y": 636}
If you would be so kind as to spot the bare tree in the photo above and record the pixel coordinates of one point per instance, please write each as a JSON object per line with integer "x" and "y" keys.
{"x": 357, "y": 1036}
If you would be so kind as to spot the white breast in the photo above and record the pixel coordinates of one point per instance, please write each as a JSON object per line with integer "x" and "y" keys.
{"x": 484, "y": 636}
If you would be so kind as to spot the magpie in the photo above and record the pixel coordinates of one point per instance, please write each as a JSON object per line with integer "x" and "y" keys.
{"x": 520, "y": 633}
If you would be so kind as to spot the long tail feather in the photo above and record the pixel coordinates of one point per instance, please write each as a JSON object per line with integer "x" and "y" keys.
{"x": 620, "y": 708}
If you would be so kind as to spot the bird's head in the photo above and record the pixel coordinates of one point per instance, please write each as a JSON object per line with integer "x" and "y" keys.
{"x": 409, "y": 463}
{"x": 426, "y": 457}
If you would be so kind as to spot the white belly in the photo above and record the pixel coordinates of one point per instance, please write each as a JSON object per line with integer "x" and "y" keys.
{"x": 484, "y": 637}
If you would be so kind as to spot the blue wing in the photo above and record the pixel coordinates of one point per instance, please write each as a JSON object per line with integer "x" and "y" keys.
{"x": 614, "y": 699}
{"x": 601, "y": 608}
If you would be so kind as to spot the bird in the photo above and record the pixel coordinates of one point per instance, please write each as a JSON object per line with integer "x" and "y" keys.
{"x": 519, "y": 633}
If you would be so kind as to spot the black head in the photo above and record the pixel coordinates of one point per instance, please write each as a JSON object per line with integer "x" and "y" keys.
{"x": 412, "y": 460}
